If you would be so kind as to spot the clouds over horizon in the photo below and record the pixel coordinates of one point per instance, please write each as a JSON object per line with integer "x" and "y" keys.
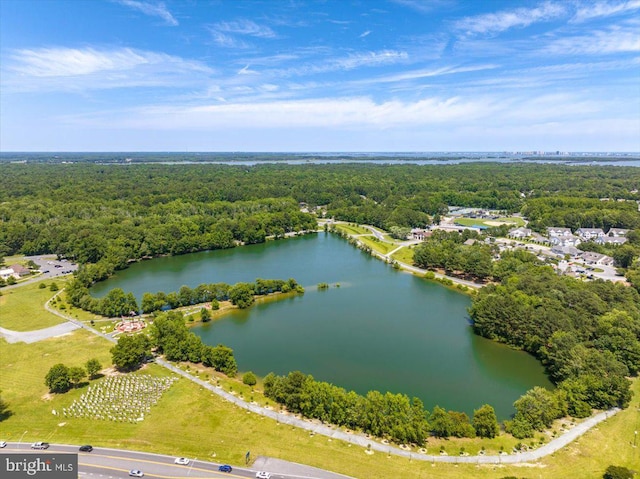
{"x": 415, "y": 65}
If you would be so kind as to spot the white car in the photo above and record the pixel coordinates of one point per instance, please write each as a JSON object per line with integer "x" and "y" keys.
{"x": 182, "y": 461}
{"x": 136, "y": 473}
{"x": 3, "y": 444}
{"x": 263, "y": 475}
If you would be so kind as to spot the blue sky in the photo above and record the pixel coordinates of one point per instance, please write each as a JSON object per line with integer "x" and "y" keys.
{"x": 334, "y": 75}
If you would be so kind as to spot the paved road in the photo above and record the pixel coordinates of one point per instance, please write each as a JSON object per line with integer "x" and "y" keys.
{"x": 117, "y": 463}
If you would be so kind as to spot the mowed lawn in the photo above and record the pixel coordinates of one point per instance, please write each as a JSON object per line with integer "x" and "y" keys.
{"x": 22, "y": 309}
{"x": 514, "y": 220}
{"x": 404, "y": 255}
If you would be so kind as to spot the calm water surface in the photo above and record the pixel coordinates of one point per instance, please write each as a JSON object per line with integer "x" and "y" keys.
{"x": 381, "y": 329}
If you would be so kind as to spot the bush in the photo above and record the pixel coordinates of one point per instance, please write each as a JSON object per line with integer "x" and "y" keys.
{"x": 617, "y": 472}
{"x": 249, "y": 379}
{"x": 53, "y": 287}
{"x": 42, "y": 286}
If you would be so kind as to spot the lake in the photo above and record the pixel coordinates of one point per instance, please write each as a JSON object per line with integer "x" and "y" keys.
{"x": 380, "y": 329}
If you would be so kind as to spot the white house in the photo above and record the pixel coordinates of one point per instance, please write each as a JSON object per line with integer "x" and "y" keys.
{"x": 6, "y": 273}
{"x": 568, "y": 240}
{"x": 553, "y": 231}
{"x": 588, "y": 234}
{"x": 519, "y": 233}
{"x": 420, "y": 234}
{"x": 596, "y": 258}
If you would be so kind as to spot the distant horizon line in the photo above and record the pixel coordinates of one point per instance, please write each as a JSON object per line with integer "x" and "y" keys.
{"x": 328, "y": 152}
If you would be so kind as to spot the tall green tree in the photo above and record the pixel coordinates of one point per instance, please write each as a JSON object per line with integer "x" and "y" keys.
{"x": 57, "y": 379}
{"x": 130, "y": 351}
{"x": 93, "y": 366}
{"x": 485, "y": 422}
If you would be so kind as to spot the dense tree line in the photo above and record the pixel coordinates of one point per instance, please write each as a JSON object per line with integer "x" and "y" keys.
{"x": 587, "y": 334}
{"x": 118, "y": 303}
{"x": 171, "y": 337}
{"x": 392, "y": 416}
{"x": 447, "y": 251}
{"x": 113, "y": 214}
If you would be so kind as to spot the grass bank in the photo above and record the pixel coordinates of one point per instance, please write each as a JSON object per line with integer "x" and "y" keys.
{"x": 22, "y": 309}
{"x": 205, "y": 426}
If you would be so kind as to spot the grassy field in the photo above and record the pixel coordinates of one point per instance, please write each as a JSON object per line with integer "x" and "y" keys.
{"x": 352, "y": 229}
{"x": 22, "y": 309}
{"x": 203, "y": 425}
{"x": 377, "y": 245}
{"x": 514, "y": 220}
{"x": 405, "y": 255}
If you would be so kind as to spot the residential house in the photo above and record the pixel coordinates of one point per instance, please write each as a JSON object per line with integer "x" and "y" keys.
{"x": 612, "y": 240}
{"x": 565, "y": 240}
{"x": 538, "y": 238}
{"x": 19, "y": 270}
{"x": 565, "y": 250}
{"x": 596, "y": 258}
{"x": 617, "y": 232}
{"x": 519, "y": 233}
{"x": 553, "y": 231}
{"x": 6, "y": 273}
{"x": 589, "y": 234}
{"x": 420, "y": 234}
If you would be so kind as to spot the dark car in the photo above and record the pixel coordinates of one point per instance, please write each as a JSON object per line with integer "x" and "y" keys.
{"x": 225, "y": 468}
{"x": 86, "y": 448}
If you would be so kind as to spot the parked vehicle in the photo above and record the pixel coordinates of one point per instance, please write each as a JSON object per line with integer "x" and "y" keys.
{"x": 40, "y": 445}
{"x": 86, "y": 448}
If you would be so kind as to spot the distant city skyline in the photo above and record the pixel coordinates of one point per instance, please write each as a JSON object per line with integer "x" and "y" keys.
{"x": 311, "y": 76}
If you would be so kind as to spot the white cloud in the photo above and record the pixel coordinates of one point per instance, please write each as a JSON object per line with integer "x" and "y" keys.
{"x": 423, "y": 6}
{"x": 154, "y": 10}
{"x": 245, "y": 27}
{"x": 617, "y": 39}
{"x": 349, "y": 62}
{"x": 227, "y": 40}
{"x": 365, "y": 34}
{"x": 89, "y": 69}
{"x": 53, "y": 62}
{"x": 417, "y": 74}
{"x": 604, "y": 9}
{"x": 246, "y": 71}
{"x": 493, "y": 23}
